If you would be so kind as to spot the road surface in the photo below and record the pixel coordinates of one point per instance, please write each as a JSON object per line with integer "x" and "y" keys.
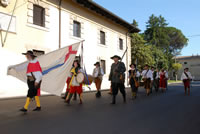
{"x": 168, "y": 113}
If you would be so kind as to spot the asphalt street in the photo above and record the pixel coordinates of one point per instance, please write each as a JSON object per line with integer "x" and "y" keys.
{"x": 159, "y": 113}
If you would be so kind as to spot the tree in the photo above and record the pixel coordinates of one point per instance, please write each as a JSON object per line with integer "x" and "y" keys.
{"x": 135, "y": 23}
{"x": 141, "y": 53}
{"x": 176, "y": 67}
{"x": 176, "y": 40}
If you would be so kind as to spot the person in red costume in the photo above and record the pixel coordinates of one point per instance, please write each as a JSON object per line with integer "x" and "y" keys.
{"x": 163, "y": 78}
{"x": 34, "y": 78}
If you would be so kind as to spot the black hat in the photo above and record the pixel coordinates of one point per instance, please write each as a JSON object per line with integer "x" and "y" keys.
{"x": 29, "y": 53}
{"x": 116, "y": 56}
{"x": 132, "y": 64}
{"x": 186, "y": 68}
{"x": 97, "y": 63}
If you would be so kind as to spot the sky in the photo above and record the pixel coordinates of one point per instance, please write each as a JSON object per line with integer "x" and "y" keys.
{"x": 182, "y": 14}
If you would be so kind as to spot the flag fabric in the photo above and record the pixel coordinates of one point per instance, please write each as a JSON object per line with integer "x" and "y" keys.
{"x": 55, "y": 66}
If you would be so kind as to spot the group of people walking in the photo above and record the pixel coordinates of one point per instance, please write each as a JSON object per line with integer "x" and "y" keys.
{"x": 149, "y": 77}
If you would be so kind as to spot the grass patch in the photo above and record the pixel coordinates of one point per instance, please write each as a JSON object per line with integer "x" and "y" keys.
{"x": 174, "y": 81}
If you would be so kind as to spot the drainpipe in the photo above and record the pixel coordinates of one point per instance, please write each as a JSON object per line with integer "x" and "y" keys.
{"x": 127, "y": 57}
{"x": 60, "y": 23}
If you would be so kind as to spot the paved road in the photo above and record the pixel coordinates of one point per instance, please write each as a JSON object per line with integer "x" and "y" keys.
{"x": 169, "y": 113}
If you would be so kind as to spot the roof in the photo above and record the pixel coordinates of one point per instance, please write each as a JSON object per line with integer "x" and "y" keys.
{"x": 188, "y": 57}
{"x": 96, "y": 8}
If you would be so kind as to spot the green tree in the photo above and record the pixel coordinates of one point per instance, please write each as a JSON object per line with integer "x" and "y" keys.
{"x": 135, "y": 23}
{"x": 176, "y": 67}
{"x": 141, "y": 53}
{"x": 176, "y": 40}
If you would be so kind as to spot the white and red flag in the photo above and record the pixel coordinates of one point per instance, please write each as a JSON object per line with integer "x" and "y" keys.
{"x": 55, "y": 66}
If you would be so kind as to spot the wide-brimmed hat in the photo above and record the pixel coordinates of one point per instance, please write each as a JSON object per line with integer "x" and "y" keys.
{"x": 97, "y": 63}
{"x": 29, "y": 53}
{"x": 132, "y": 64}
{"x": 116, "y": 56}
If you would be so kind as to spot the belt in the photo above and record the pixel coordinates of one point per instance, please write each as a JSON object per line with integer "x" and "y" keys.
{"x": 31, "y": 78}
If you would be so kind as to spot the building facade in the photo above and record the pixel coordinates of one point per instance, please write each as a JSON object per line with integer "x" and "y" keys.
{"x": 47, "y": 25}
{"x": 191, "y": 62}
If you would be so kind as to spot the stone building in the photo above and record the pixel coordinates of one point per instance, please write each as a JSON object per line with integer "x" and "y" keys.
{"x": 47, "y": 25}
{"x": 193, "y": 63}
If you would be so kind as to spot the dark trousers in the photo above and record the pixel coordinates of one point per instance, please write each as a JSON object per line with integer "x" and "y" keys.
{"x": 116, "y": 87}
{"x": 133, "y": 87}
{"x": 155, "y": 84}
{"x": 32, "y": 91}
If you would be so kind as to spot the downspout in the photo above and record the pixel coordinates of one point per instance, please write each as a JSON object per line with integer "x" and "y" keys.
{"x": 127, "y": 57}
{"x": 60, "y": 23}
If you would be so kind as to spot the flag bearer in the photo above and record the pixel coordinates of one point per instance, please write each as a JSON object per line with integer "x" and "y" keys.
{"x": 34, "y": 79}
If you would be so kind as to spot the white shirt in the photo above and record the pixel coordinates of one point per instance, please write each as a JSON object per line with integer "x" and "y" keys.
{"x": 96, "y": 72}
{"x": 166, "y": 74}
{"x": 183, "y": 76}
{"x": 148, "y": 74}
{"x": 37, "y": 74}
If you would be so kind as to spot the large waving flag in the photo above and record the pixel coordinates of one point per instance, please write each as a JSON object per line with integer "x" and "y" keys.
{"x": 55, "y": 66}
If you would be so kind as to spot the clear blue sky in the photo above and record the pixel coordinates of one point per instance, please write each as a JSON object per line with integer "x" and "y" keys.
{"x": 182, "y": 14}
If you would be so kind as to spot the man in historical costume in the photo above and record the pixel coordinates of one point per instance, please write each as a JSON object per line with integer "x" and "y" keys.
{"x": 166, "y": 80}
{"x": 34, "y": 78}
{"x": 152, "y": 83}
{"x": 133, "y": 75}
{"x": 163, "y": 78}
{"x": 98, "y": 77}
{"x": 186, "y": 77}
{"x": 147, "y": 78}
{"x": 117, "y": 78}
{"x": 156, "y": 80}
{"x": 75, "y": 87}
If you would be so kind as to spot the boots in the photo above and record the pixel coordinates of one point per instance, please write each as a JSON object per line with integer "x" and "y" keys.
{"x": 98, "y": 94}
{"x": 113, "y": 100}
{"x": 37, "y": 109}
{"x": 68, "y": 99}
{"x": 23, "y": 110}
{"x": 124, "y": 98}
{"x": 64, "y": 97}
{"x": 75, "y": 97}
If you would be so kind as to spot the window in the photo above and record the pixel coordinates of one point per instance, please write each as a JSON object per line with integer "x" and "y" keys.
{"x": 77, "y": 29}
{"x": 103, "y": 65}
{"x": 102, "y": 38}
{"x": 38, "y": 15}
{"x": 120, "y": 44}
